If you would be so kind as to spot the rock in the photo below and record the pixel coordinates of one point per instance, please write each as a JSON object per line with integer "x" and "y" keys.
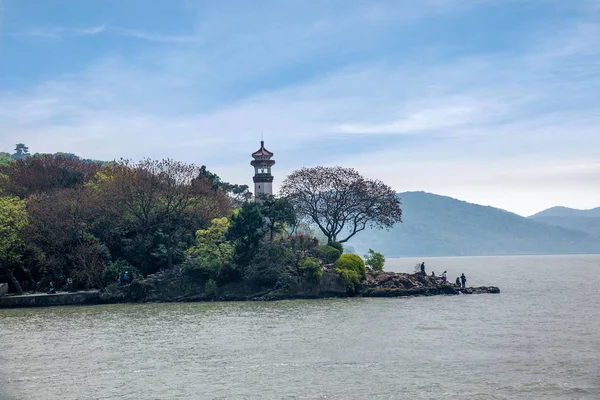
{"x": 3, "y": 289}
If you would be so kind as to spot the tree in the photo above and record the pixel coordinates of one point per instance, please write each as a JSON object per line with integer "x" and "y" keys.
{"x": 212, "y": 252}
{"x": 21, "y": 151}
{"x": 279, "y": 213}
{"x": 246, "y": 231}
{"x": 165, "y": 200}
{"x": 340, "y": 201}
{"x": 13, "y": 219}
{"x": 5, "y": 159}
{"x": 238, "y": 194}
{"x": 43, "y": 173}
{"x": 375, "y": 260}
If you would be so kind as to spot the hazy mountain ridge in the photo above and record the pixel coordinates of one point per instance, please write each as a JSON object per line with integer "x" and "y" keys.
{"x": 437, "y": 225}
{"x": 562, "y": 212}
{"x": 583, "y": 220}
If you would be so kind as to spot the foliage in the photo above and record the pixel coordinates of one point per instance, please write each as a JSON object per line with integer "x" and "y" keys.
{"x": 351, "y": 268}
{"x": 327, "y": 253}
{"x": 202, "y": 267}
{"x": 89, "y": 262}
{"x": 44, "y": 173}
{"x": 246, "y": 231}
{"x": 160, "y": 202}
{"x": 112, "y": 269}
{"x": 21, "y": 152}
{"x": 5, "y": 159}
{"x": 337, "y": 245}
{"x": 311, "y": 268}
{"x": 211, "y": 289}
{"x": 82, "y": 214}
{"x": 279, "y": 214}
{"x": 340, "y": 201}
{"x": 211, "y": 243}
{"x": 375, "y": 260}
{"x": 238, "y": 194}
{"x": 13, "y": 220}
{"x": 271, "y": 264}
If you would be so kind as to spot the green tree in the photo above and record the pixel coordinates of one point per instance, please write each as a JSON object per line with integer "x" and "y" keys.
{"x": 279, "y": 214}
{"x": 271, "y": 263}
{"x": 5, "y": 159}
{"x": 21, "y": 151}
{"x": 246, "y": 231}
{"x": 211, "y": 242}
{"x": 13, "y": 219}
{"x": 375, "y": 260}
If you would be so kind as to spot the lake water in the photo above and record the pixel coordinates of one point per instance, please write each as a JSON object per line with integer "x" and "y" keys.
{"x": 538, "y": 339}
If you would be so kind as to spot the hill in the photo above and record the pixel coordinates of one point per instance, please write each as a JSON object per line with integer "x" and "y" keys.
{"x": 442, "y": 226}
{"x": 567, "y": 212}
{"x": 583, "y": 220}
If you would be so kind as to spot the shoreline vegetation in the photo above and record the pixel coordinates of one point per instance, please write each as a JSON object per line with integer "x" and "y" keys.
{"x": 163, "y": 230}
{"x": 172, "y": 286}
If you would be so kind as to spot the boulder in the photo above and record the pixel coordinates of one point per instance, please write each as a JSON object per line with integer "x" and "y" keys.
{"x": 3, "y": 289}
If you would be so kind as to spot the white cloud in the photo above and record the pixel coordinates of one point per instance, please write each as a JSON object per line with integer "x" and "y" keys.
{"x": 476, "y": 127}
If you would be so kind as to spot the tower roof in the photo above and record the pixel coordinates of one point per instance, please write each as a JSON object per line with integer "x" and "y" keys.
{"x": 262, "y": 152}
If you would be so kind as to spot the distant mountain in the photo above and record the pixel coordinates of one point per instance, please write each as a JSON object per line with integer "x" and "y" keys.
{"x": 582, "y": 220}
{"x": 436, "y": 225}
{"x": 567, "y": 212}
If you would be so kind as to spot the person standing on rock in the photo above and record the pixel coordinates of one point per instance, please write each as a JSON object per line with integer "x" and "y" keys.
{"x": 444, "y": 276}
{"x": 423, "y": 268}
{"x": 458, "y": 281}
{"x": 463, "y": 279}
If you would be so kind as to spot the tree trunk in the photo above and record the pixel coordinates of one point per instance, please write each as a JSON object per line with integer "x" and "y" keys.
{"x": 14, "y": 281}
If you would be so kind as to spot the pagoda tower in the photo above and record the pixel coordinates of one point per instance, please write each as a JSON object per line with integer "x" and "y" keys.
{"x": 263, "y": 180}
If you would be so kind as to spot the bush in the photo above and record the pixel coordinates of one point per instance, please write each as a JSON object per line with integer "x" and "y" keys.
{"x": 201, "y": 267}
{"x": 375, "y": 260}
{"x": 311, "y": 268}
{"x": 119, "y": 267}
{"x": 328, "y": 254}
{"x": 269, "y": 265}
{"x": 337, "y": 245}
{"x": 211, "y": 289}
{"x": 351, "y": 268}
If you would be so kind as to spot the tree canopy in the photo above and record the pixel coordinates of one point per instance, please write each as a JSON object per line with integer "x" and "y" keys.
{"x": 340, "y": 201}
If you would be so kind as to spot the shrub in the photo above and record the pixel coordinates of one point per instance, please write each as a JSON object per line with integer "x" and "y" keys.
{"x": 351, "y": 268}
{"x": 211, "y": 289}
{"x": 201, "y": 267}
{"x": 118, "y": 267}
{"x": 375, "y": 260}
{"x": 328, "y": 254}
{"x": 311, "y": 268}
{"x": 269, "y": 265}
{"x": 337, "y": 245}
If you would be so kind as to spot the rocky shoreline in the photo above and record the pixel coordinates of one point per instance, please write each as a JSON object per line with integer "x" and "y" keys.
{"x": 174, "y": 286}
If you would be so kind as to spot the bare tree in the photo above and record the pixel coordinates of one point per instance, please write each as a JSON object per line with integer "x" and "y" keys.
{"x": 341, "y": 201}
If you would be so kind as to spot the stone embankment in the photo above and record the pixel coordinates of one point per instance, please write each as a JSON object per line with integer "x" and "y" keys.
{"x": 49, "y": 300}
{"x": 174, "y": 286}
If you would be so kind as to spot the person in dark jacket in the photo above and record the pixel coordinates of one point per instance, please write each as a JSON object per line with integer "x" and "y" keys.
{"x": 457, "y": 281}
{"x": 463, "y": 279}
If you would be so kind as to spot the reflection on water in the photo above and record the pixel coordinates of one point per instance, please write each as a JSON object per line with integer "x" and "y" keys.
{"x": 538, "y": 339}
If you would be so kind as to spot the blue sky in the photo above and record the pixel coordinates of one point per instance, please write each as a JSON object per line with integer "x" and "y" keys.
{"x": 493, "y": 102}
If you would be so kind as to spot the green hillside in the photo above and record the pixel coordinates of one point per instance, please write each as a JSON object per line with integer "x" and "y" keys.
{"x": 442, "y": 226}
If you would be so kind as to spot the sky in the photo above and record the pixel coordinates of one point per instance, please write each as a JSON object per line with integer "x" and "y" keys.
{"x": 491, "y": 102}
